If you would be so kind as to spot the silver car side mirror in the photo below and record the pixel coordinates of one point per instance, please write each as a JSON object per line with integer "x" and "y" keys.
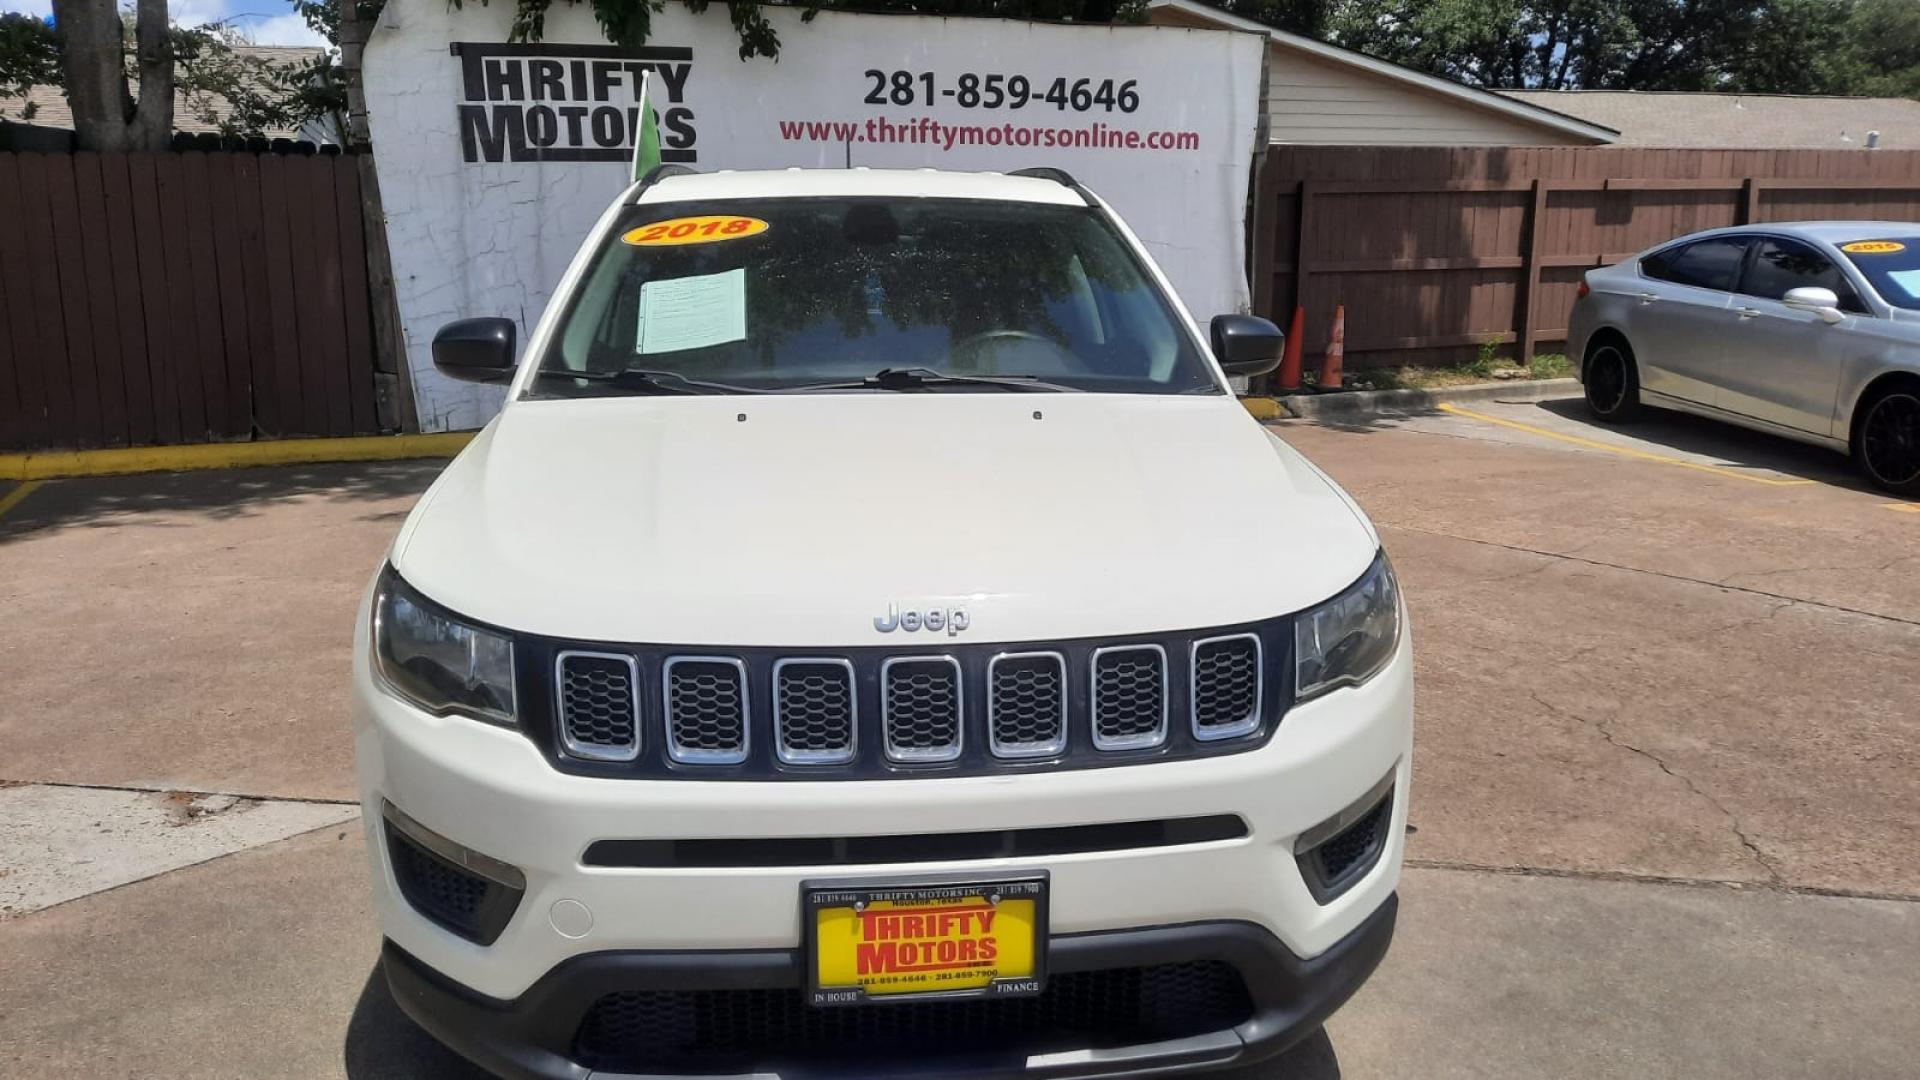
{"x": 1819, "y": 301}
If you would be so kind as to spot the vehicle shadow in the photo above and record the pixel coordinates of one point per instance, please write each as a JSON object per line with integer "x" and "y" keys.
{"x": 213, "y": 494}
{"x": 383, "y": 1044}
{"x": 1738, "y": 447}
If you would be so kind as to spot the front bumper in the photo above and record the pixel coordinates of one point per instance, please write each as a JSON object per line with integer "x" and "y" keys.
{"x": 575, "y": 926}
{"x": 534, "y": 1035}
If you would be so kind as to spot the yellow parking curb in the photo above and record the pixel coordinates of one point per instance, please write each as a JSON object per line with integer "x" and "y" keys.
{"x": 138, "y": 459}
{"x": 1263, "y": 408}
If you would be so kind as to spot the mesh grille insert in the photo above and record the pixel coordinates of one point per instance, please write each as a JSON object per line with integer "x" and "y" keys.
{"x": 1226, "y": 686}
{"x": 598, "y": 715}
{"x": 1129, "y": 697}
{"x": 1026, "y": 704}
{"x": 706, "y": 710}
{"x": 813, "y": 704}
{"x": 464, "y": 902}
{"x": 711, "y": 1030}
{"x": 922, "y": 708}
{"x": 1348, "y": 849}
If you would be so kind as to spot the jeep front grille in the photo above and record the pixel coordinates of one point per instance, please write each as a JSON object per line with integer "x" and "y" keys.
{"x": 886, "y": 711}
{"x": 706, "y": 709}
{"x": 921, "y": 707}
{"x": 1226, "y": 688}
{"x": 1027, "y": 704}
{"x": 599, "y": 700}
{"x": 1129, "y": 697}
{"x": 813, "y": 711}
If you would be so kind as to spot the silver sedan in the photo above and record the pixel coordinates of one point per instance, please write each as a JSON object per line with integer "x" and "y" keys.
{"x": 1809, "y": 330}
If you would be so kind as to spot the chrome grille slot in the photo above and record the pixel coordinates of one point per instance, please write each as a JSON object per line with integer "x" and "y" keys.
{"x": 1227, "y": 684}
{"x": 813, "y": 711}
{"x": 599, "y": 702}
{"x": 1027, "y": 704}
{"x": 706, "y": 710}
{"x": 1129, "y": 697}
{"x": 920, "y": 705}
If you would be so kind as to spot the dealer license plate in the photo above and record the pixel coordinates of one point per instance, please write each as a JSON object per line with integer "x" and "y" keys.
{"x": 887, "y": 941}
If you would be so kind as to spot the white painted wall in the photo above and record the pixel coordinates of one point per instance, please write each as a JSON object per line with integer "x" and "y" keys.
{"x": 480, "y": 237}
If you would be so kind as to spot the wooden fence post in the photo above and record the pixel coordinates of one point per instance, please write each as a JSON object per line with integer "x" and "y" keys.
{"x": 394, "y": 379}
{"x": 1530, "y": 274}
{"x": 1750, "y": 200}
{"x": 1300, "y": 219}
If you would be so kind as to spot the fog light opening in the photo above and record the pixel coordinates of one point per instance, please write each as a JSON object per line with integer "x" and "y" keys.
{"x": 1339, "y": 851}
{"x": 463, "y": 891}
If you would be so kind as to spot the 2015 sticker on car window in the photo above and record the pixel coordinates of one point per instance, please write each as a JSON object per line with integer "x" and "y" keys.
{"x": 706, "y": 229}
{"x": 1873, "y": 247}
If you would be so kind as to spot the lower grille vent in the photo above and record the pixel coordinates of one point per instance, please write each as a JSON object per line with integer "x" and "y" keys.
{"x": 659, "y": 1031}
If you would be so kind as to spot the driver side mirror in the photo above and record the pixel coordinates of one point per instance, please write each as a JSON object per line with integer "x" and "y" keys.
{"x": 1246, "y": 344}
{"x": 475, "y": 350}
{"x": 1819, "y": 301}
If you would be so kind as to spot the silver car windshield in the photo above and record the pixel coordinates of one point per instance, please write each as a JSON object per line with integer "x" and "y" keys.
{"x": 775, "y": 295}
{"x": 1891, "y": 266}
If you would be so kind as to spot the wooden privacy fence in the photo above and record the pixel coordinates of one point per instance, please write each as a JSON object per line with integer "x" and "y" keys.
{"x": 183, "y": 297}
{"x": 1437, "y": 251}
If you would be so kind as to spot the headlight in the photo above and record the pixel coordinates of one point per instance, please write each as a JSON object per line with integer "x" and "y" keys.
{"x": 436, "y": 661}
{"x": 1348, "y": 639}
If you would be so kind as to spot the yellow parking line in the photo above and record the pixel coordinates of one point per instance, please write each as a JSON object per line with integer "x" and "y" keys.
{"x": 12, "y": 498}
{"x": 51, "y": 464}
{"x": 1904, "y": 508}
{"x": 1623, "y": 450}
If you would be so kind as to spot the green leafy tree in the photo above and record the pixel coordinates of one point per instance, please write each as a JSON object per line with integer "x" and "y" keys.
{"x": 1770, "y": 46}
{"x": 1883, "y": 48}
{"x": 29, "y": 54}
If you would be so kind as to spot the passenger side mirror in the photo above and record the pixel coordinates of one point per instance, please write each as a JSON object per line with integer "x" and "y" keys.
{"x": 1246, "y": 344}
{"x": 475, "y": 350}
{"x": 1819, "y": 301}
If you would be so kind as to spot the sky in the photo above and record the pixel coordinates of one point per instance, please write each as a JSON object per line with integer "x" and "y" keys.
{"x": 264, "y": 22}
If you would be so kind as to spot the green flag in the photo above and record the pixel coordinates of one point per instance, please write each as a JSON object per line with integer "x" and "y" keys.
{"x": 646, "y": 141}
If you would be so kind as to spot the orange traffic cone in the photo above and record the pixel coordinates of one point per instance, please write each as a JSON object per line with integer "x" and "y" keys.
{"x": 1288, "y": 377}
{"x": 1330, "y": 364}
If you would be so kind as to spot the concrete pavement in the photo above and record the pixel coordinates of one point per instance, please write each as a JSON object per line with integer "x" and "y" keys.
{"x": 261, "y": 965}
{"x": 1665, "y": 773}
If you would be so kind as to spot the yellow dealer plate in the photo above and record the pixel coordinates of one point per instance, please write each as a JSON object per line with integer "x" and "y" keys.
{"x": 879, "y": 941}
{"x": 707, "y": 229}
{"x": 1873, "y": 247}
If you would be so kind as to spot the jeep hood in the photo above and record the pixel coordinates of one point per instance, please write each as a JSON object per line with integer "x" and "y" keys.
{"x": 797, "y": 519}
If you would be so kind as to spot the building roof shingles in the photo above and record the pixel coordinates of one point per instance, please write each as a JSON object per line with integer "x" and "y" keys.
{"x": 1737, "y": 121}
{"x": 49, "y": 103}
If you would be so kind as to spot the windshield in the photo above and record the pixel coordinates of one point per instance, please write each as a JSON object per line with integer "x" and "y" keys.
{"x": 1891, "y": 266}
{"x": 787, "y": 294}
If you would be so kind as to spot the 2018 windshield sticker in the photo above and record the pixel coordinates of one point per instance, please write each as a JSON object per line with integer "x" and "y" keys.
{"x": 1873, "y": 247}
{"x": 706, "y": 229}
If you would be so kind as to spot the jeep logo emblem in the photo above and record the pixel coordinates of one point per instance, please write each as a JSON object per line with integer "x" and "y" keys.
{"x": 952, "y": 620}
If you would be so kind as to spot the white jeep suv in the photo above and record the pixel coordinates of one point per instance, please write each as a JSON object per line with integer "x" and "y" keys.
{"x": 872, "y": 639}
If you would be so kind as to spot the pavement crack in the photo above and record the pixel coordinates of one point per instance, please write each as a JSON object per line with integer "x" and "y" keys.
{"x": 1634, "y": 878}
{"x": 187, "y": 794}
{"x": 1605, "y": 730}
{"x": 1653, "y": 573}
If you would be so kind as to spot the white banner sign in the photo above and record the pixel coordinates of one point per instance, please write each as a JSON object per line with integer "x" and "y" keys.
{"x": 495, "y": 159}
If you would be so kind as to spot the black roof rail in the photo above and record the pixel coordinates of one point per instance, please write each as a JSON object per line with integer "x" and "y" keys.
{"x": 1058, "y": 176}
{"x": 661, "y": 172}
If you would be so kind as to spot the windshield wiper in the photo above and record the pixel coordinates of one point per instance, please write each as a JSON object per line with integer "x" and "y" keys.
{"x": 920, "y": 378}
{"x": 648, "y": 381}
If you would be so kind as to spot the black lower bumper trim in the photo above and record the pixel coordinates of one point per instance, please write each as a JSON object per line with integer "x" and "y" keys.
{"x": 533, "y": 1035}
